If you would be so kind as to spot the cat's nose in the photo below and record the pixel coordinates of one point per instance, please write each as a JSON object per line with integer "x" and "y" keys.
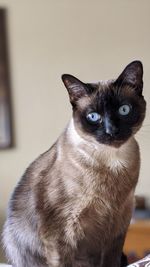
{"x": 110, "y": 128}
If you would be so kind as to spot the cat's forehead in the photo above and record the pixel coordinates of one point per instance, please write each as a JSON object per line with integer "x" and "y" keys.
{"x": 106, "y": 91}
{"x": 102, "y": 84}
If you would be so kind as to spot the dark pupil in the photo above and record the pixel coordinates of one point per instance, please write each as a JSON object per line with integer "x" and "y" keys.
{"x": 124, "y": 109}
{"x": 92, "y": 116}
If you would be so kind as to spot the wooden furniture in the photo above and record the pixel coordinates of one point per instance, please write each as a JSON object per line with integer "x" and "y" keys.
{"x": 138, "y": 238}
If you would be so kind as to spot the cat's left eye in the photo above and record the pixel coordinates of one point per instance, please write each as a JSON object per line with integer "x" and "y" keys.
{"x": 124, "y": 110}
{"x": 94, "y": 117}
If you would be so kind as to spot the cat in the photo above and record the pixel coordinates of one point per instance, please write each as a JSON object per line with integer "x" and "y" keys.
{"x": 73, "y": 205}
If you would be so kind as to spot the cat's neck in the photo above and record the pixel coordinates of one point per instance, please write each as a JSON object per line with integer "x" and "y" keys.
{"x": 94, "y": 151}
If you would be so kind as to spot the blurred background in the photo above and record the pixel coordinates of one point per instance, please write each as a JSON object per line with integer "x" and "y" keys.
{"x": 92, "y": 40}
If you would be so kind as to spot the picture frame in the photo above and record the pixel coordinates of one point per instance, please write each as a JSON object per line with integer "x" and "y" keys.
{"x": 6, "y": 135}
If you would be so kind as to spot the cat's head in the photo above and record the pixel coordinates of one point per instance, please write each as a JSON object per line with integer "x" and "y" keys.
{"x": 110, "y": 112}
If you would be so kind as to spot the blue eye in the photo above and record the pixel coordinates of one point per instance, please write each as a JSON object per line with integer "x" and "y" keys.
{"x": 94, "y": 117}
{"x": 124, "y": 110}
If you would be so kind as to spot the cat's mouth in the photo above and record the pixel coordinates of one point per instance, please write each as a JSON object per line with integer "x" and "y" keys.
{"x": 115, "y": 141}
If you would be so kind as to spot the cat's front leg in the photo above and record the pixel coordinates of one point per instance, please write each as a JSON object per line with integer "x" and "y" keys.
{"x": 52, "y": 255}
{"x": 112, "y": 257}
{"x": 58, "y": 253}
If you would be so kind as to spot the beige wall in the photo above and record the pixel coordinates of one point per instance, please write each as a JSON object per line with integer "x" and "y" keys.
{"x": 91, "y": 39}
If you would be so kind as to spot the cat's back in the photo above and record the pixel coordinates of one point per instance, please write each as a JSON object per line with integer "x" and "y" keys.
{"x": 23, "y": 197}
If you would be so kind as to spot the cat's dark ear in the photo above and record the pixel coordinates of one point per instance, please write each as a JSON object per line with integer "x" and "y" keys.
{"x": 75, "y": 87}
{"x": 132, "y": 75}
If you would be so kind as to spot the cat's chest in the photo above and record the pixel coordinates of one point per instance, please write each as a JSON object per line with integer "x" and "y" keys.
{"x": 90, "y": 220}
{"x": 95, "y": 209}
{"x": 97, "y": 186}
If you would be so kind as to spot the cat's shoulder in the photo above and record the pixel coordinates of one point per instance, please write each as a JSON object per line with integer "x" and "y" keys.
{"x": 40, "y": 166}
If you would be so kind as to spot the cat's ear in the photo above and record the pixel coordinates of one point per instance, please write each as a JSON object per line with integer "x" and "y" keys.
{"x": 75, "y": 87}
{"x": 132, "y": 75}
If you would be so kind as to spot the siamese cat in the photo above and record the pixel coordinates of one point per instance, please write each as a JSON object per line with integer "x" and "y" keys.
{"x": 73, "y": 205}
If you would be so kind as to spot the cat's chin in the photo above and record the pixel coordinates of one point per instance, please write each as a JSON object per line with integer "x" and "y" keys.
{"x": 117, "y": 144}
{"x": 114, "y": 143}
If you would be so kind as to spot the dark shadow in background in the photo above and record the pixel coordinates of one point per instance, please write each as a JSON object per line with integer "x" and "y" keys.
{"x": 6, "y": 115}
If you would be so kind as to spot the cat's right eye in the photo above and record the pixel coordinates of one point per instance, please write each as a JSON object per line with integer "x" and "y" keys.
{"x": 94, "y": 117}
